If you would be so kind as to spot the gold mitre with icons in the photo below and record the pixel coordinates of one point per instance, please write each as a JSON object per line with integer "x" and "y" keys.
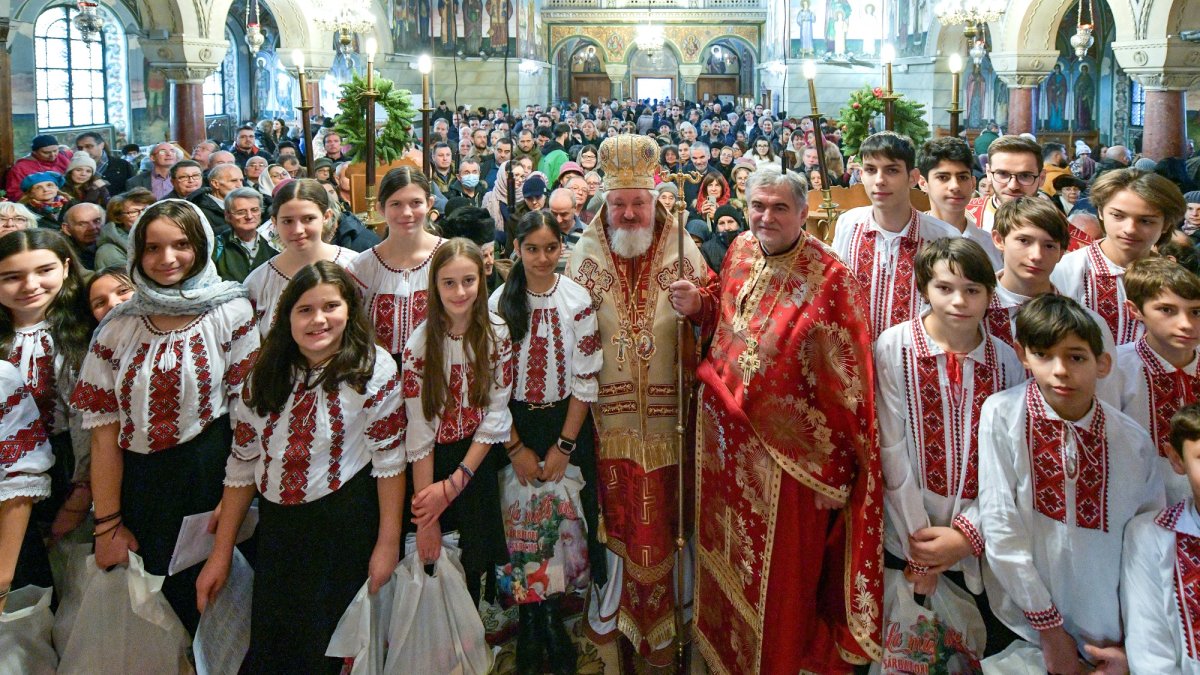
{"x": 628, "y": 161}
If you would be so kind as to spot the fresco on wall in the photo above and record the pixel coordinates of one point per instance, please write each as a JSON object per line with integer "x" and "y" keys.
{"x": 836, "y": 29}
{"x": 1068, "y": 99}
{"x": 587, "y": 59}
{"x": 721, "y": 60}
{"x": 459, "y": 27}
{"x": 278, "y": 89}
{"x": 531, "y": 40}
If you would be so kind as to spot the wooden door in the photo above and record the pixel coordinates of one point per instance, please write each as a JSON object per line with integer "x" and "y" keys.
{"x": 594, "y": 87}
{"x": 715, "y": 86}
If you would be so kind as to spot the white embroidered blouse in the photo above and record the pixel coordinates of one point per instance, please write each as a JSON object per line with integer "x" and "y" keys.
{"x": 165, "y": 387}
{"x": 458, "y": 419}
{"x": 396, "y": 299}
{"x": 320, "y": 439}
{"x": 25, "y": 454}
{"x": 560, "y": 354}
{"x": 266, "y": 283}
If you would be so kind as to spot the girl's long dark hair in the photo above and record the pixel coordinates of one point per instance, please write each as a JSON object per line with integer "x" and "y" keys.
{"x": 478, "y": 338}
{"x": 354, "y": 363}
{"x": 118, "y": 272}
{"x": 187, "y": 219}
{"x": 514, "y": 303}
{"x": 71, "y": 336}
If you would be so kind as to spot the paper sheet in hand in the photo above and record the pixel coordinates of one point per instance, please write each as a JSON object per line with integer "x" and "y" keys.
{"x": 195, "y": 543}
{"x": 223, "y": 636}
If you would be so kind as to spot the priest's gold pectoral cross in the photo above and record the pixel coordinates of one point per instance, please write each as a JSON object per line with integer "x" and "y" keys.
{"x": 622, "y": 341}
{"x": 749, "y": 362}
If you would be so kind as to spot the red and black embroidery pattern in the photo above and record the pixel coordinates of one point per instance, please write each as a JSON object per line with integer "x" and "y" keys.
{"x": 163, "y": 403}
{"x": 537, "y": 358}
{"x": 1167, "y": 393}
{"x": 1104, "y": 298}
{"x": 125, "y": 395}
{"x": 894, "y": 286}
{"x": 337, "y": 443}
{"x": 1046, "y": 439}
{"x": 302, "y": 424}
{"x": 200, "y": 366}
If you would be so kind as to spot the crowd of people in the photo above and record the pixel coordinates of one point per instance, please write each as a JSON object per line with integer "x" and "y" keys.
{"x": 994, "y": 398}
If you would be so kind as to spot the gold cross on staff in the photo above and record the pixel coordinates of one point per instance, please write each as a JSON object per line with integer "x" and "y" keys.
{"x": 679, "y": 179}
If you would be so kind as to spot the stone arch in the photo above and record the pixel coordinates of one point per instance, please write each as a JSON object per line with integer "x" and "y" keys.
{"x": 729, "y": 38}
{"x": 1032, "y": 25}
{"x": 297, "y": 30}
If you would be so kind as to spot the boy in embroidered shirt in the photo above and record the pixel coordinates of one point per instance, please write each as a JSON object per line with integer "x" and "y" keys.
{"x": 933, "y": 375}
{"x": 1060, "y": 474}
{"x": 945, "y": 166}
{"x": 1158, "y": 371}
{"x": 879, "y": 243}
{"x": 1138, "y": 211}
{"x": 1015, "y": 170}
{"x": 1159, "y": 583}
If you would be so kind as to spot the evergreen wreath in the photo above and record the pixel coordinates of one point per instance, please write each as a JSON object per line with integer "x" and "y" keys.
{"x": 396, "y": 136}
{"x": 865, "y": 105}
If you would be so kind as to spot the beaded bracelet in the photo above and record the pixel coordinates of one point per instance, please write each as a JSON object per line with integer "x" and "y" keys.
{"x": 470, "y": 473}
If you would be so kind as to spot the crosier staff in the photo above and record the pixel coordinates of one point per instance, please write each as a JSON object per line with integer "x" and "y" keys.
{"x": 680, "y": 179}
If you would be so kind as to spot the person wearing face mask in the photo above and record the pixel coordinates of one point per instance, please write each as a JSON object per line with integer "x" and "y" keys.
{"x": 469, "y": 185}
{"x": 728, "y": 223}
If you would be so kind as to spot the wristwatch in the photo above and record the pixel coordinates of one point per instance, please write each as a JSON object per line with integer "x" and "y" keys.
{"x": 565, "y": 445}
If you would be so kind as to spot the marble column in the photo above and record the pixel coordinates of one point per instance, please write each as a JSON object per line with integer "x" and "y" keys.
{"x": 187, "y": 124}
{"x": 1166, "y": 68}
{"x": 690, "y": 74}
{"x": 186, "y": 62}
{"x": 1020, "y": 110}
{"x": 616, "y": 75}
{"x": 6, "y": 138}
{"x": 1165, "y": 128}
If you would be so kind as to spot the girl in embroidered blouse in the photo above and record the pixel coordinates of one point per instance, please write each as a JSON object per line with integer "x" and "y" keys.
{"x": 305, "y": 223}
{"x": 394, "y": 274}
{"x": 155, "y": 389}
{"x": 40, "y": 283}
{"x": 457, "y": 375}
{"x": 324, "y": 448}
{"x": 556, "y": 358}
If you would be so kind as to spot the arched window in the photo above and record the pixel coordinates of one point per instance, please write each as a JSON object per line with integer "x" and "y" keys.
{"x": 71, "y": 89}
{"x": 1137, "y": 104}
{"x": 220, "y": 87}
{"x": 80, "y": 83}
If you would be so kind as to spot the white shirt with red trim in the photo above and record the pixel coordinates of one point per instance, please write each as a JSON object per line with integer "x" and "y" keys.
{"x": 25, "y": 454}
{"x": 265, "y": 285}
{"x": 1152, "y": 390}
{"x": 561, "y": 353}
{"x": 1055, "y": 498}
{"x": 928, "y": 412}
{"x": 320, "y": 439}
{"x": 883, "y": 261}
{"x": 396, "y": 299}
{"x": 1160, "y": 591}
{"x": 164, "y": 387}
{"x": 1091, "y": 279}
{"x": 458, "y": 419}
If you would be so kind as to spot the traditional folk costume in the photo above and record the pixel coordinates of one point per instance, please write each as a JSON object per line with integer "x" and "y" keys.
{"x": 396, "y": 300}
{"x": 475, "y": 513}
{"x": 1001, "y": 322}
{"x": 50, "y": 381}
{"x": 1153, "y": 390}
{"x": 882, "y": 261}
{"x": 25, "y": 460}
{"x": 1090, "y": 278}
{"x": 786, "y": 412}
{"x": 1160, "y": 591}
{"x": 169, "y": 392}
{"x": 1056, "y": 496}
{"x": 558, "y": 360}
{"x": 266, "y": 283}
{"x": 636, "y": 409}
{"x": 982, "y": 210}
{"x": 319, "y": 509}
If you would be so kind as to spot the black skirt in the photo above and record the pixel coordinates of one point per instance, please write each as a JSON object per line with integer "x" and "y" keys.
{"x": 312, "y": 559}
{"x": 60, "y": 482}
{"x": 475, "y": 515}
{"x": 159, "y": 489}
{"x": 539, "y": 426}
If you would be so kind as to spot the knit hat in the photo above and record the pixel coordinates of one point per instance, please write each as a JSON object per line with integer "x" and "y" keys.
{"x": 322, "y": 163}
{"x": 469, "y": 222}
{"x": 733, "y": 212}
{"x": 275, "y": 190}
{"x": 1145, "y": 164}
{"x": 534, "y": 186}
{"x": 80, "y": 160}
{"x": 453, "y": 204}
{"x": 745, "y": 162}
{"x": 1082, "y": 148}
{"x": 699, "y": 229}
{"x": 43, "y": 141}
{"x": 668, "y": 187}
{"x": 570, "y": 167}
{"x": 1192, "y": 197}
{"x": 41, "y": 177}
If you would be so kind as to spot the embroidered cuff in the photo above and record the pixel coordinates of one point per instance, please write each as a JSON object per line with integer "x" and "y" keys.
{"x": 919, "y": 570}
{"x": 1045, "y": 619}
{"x": 972, "y": 534}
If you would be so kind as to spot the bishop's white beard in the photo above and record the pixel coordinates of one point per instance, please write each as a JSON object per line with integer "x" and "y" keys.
{"x": 630, "y": 242}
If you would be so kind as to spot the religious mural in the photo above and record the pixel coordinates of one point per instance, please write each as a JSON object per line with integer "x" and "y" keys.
{"x": 531, "y": 43}
{"x": 587, "y": 59}
{"x": 721, "y": 60}
{"x": 463, "y": 27}
{"x": 839, "y": 29}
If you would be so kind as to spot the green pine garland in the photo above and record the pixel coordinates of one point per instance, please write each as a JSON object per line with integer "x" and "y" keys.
{"x": 865, "y": 105}
{"x": 395, "y": 138}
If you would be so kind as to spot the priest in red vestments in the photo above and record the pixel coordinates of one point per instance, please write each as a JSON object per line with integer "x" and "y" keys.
{"x": 627, "y": 258}
{"x": 789, "y": 490}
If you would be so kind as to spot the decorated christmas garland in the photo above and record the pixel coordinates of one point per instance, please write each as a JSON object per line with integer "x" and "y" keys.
{"x": 865, "y": 105}
{"x": 396, "y": 136}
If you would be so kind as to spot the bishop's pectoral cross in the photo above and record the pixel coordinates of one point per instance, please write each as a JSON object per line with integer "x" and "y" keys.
{"x": 749, "y": 362}
{"x": 623, "y": 341}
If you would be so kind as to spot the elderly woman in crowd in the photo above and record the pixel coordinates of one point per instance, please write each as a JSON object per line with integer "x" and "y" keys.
{"x": 43, "y": 196}
{"x": 15, "y": 216}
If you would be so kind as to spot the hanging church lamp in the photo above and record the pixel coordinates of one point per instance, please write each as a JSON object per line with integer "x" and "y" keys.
{"x": 974, "y": 15}
{"x": 88, "y": 21}
{"x": 352, "y": 17}
{"x": 254, "y": 35}
{"x": 1082, "y": 40}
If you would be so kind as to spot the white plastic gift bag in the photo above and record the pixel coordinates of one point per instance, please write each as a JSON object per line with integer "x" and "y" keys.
{"x": 26, "y": 631}
{"x": 125, "y": 625}
{"x": 434, "y": 627}
{"x": 546, "y": 536}
{"x": 362, "y": 632}
{"x": 1020, "y": 658}
{"x": 77, "y": 573}
{"x": 948, "y": 638}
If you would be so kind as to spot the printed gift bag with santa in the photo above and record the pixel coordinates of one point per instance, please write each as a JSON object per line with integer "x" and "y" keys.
{"x": 546, "y": 535}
